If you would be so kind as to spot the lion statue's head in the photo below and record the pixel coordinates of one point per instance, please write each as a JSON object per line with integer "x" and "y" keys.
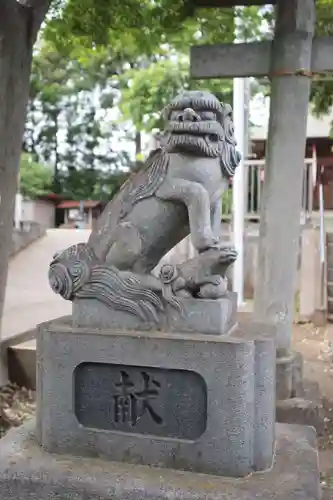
{"x": 196, "y": 122}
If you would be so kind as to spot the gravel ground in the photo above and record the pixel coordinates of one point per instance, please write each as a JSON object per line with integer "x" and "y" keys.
{"x": 16, "y": 406}
{"x": 316, "y": 346}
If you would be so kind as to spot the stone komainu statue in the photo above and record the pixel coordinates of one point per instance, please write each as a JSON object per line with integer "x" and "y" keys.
{"x": 177, "y": 192}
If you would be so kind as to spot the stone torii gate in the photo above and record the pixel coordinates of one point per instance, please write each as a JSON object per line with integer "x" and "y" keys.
{"x": 290, "y": 61}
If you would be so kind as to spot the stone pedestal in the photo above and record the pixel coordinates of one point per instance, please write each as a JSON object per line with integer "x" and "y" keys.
{"x": 125, "y": 415}
{"x": 214, "y": 317}
{"x": 29, "y": 472}
{"x": 201, "y": 403}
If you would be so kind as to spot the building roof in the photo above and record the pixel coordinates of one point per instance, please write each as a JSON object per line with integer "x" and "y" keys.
{"x": 76, "y": 204}
{"x": 52, "y": 197}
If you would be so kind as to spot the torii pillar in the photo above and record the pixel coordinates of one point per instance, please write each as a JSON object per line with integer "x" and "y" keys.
{"x": 289, "y": 61}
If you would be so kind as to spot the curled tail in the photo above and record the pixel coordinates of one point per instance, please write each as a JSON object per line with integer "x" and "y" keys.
{"x": 76, "y": 273}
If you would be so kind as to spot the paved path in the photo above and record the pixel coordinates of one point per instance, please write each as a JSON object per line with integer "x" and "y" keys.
{"x": 29, "y": 299}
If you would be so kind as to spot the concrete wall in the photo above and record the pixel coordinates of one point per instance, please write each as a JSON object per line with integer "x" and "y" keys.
{"x": 28, "y": 211}
{"x": 30, "y": 232}
{"x": 251, "y": 245}
{"x": 251, "y": 248}
{"x": 313, "y": 279}
{"x": 39, "y": 211}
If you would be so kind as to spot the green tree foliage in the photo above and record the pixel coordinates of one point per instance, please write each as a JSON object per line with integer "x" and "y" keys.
{"x": 131, "y": 26}
{"x": 35, "y": 178}
{"x": 94, "y": 57}
{"x": 322, "y": 90}
{"x": 146, "y": 91}
{"x": 48, "y": 91}
{"x": 148, "y": 86}
{"x": 130, "y": 54}
{"x": 68, "y": 126}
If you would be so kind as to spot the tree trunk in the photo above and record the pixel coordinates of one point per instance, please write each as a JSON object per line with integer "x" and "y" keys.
{"x": 18, "y": 30}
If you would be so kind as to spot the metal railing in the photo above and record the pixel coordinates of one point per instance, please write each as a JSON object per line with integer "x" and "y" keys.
{"x": 322, "y": 244}
{"x": 254, "y": 180}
